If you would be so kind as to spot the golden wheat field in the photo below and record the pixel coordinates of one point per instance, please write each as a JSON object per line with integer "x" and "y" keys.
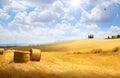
{"x": 73, "y": 59}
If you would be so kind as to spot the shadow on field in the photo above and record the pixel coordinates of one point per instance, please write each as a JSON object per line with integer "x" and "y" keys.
{"x": 14, "y": 73}
{"x": 24, "y": 74}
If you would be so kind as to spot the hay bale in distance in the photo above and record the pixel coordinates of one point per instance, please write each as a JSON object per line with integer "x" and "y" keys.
{"x": 117, "y": 49}
{"x": 1, "y": 51}
{"x": 35, "y": 54}
{"x": 8, "y": 51}
{"x": 21, "y": 56}
{"x": 96, "y": 51}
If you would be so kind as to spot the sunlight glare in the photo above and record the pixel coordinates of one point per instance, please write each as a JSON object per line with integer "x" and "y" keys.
{"x": 75, "y": 3}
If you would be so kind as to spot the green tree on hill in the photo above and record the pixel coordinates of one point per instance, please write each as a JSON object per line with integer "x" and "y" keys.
{"x": 90, "y": 36}
{"x": 118, "y": 36}
{"x": 113, "y": 37}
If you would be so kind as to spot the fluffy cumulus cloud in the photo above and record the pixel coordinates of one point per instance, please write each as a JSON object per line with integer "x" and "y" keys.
{"x": 115, "y": 29}
{"x": 68, "y": 28}
{"x": 103, "y": 12}
{"x": 5, "y": 2}
{"x": 98, "y": 2}
{"x": 91, "y": 26}
{"x": 42, "y": 35}
{"x": 68, "y": 17}
{"x": 35, "y": 35}
{"x": 48, "y": 15}
{"x": 39, "y": 15}
{"x": 3, "y": 15}
{"x": 22, "y": 5}
{"x": 20, "y": 22}
{"x": 13, "y": 5}
{"x": 4, "y": 35}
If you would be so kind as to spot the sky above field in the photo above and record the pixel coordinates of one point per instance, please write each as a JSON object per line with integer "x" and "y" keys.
{"x": 46, "y": 21}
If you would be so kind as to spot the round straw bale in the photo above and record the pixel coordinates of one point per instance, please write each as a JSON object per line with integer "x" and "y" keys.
{"x": 21, "y": 56}
{"x": 35, "y": 54}
{"x": 1, "y": 51}
{"x": 117, "y": 49}
{"x": 96, "y": 51}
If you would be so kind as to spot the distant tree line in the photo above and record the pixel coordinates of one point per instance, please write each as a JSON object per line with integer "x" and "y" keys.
{"x": 113, "y": 37}
{"x": 109, "y": 37}
{"x": 90, "y": 36}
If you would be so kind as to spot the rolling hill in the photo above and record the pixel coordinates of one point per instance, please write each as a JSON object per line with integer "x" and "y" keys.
{"x": 77, "y": 45}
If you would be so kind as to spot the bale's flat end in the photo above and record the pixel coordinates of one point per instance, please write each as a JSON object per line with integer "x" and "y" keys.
{"x": 35, "y": 54}
{"x": 21, "y": 56}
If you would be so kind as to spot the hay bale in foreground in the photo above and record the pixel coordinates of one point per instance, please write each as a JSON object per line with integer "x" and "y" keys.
{"x": 35, "y": 54}
{"x": 21, "y": 56}
{"x": 1, "y": 51}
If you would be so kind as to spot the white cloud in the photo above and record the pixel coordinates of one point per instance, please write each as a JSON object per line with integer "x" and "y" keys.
{"x": 34, "y": 35}
{"x": 22, "y": 5}
{"x": 99, "y": 2}
{"x": 63, "y": 31}
{"x": 45, "y": 12}
{"x": 68, "y": 17}
{"x": 47, "y": 35}
{"x": 91, "y": 26}
{"x": 117, "y": 1}
{"x": 20, "y": 22}
{"x": 68, "y": 28}
{"x": 3, "y": 15}
{"x": 5, "y": 35}
{"x": 64, "y": 26}
{"x": 115, "y": 29}
{"x": 105, "y": 11}
{"x": 39, "y": 16}
{"x": 15, "y": 5}
{"x": 58, "y": 7}
{"x": 48, "y": 15}
{"x": 39, "y": 3}
{"x": 5, "y": 2}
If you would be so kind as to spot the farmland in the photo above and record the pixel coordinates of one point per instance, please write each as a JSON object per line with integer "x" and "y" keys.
{"x": 73, "y": 59}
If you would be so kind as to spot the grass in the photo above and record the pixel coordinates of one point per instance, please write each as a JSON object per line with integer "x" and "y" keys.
{"x": 58, "y": 63}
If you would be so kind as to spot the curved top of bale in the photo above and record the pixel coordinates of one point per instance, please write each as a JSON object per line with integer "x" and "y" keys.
{"x": 25, "y": 52}
{"x": 31, "y": 50}
{"x": 2, "y": 49}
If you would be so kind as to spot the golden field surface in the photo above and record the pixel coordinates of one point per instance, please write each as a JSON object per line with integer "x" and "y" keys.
{"x": 73, "y": 59}
{"x": 78, "y": 45}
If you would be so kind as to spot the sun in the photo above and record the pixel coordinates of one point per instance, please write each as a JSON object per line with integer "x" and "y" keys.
{"x": 75, "y": 3}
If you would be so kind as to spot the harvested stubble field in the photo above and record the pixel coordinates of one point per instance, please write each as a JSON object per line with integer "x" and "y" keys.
{"x": 67, "y": 60}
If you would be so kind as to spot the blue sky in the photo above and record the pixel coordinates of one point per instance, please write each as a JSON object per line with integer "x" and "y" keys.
{"x": 46, "y": 21}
